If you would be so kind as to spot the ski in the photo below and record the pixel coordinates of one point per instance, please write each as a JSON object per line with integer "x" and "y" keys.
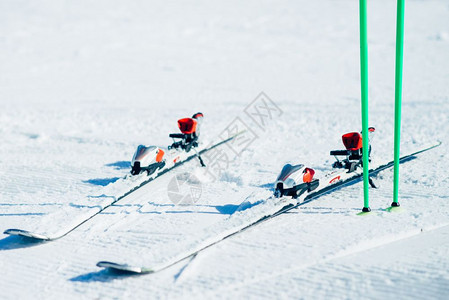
{"x": 275, "y": 206}
{"x": 156, "y": 166}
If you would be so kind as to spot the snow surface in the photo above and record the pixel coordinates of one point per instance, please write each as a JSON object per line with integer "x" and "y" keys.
{"x": 83, "y": 83}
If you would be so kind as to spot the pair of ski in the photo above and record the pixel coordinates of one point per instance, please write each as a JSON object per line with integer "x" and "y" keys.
{"x": 267, "y": 209}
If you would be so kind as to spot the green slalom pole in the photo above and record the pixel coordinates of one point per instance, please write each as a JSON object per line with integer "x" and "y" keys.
{"x": 398, "y": 98}
{"x": 364, "y": 88}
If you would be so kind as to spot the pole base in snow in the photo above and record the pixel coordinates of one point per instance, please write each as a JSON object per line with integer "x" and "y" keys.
{"x": 365, "y": 211}
{"x": 395, "y": 204}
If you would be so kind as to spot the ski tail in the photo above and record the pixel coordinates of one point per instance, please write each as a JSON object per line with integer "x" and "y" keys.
{"x": 120, "y": 267}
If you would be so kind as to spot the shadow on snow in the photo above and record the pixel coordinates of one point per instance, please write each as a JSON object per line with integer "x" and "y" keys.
{"x": 105, "y": 275}
{"x": 22, "y": 214}
{"x": 17, "y": 242}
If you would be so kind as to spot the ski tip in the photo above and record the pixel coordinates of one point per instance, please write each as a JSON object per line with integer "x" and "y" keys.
{"x": 121, "y": 267}
{"x": 27, "y": 234}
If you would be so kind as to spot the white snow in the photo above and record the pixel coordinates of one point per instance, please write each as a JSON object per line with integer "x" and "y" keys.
{"x": 83, "y": 83}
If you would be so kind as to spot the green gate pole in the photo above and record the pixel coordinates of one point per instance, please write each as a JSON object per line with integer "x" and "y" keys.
{"x": 398, "y": 97}
{"x": 364, "y": 88}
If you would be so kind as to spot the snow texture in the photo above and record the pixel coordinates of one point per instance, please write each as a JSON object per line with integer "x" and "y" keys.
{"x": 83, "y": 83}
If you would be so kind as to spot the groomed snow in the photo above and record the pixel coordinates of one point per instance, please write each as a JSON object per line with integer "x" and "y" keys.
{"x": 83, "y": 83}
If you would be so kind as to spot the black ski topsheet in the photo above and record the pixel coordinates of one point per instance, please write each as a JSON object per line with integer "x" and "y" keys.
{"x": 310, "y": 197}
{"x": 44, "y": 237}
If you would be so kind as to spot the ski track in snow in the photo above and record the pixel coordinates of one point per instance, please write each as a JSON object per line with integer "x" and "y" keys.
{"x": 82, "y": 84}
